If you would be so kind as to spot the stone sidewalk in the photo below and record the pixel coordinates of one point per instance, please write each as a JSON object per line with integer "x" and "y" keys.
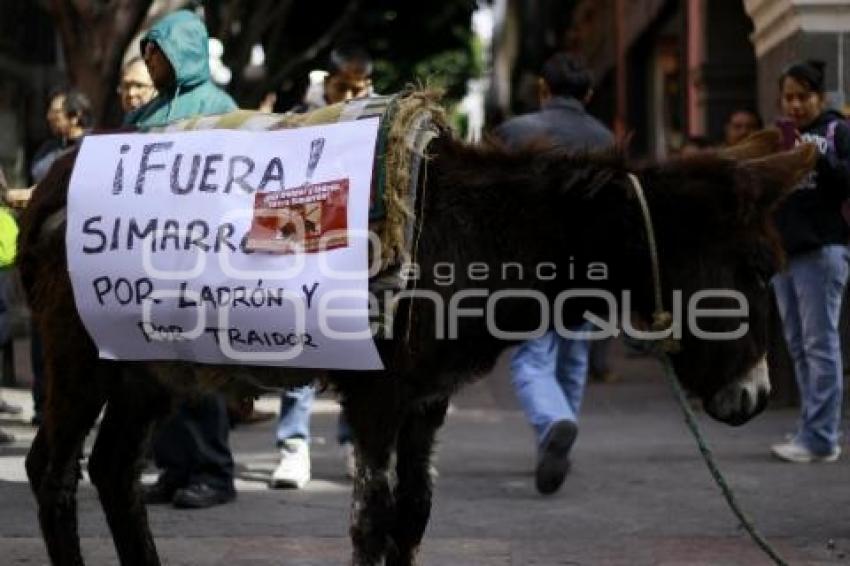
{"x": 638, "y": 494}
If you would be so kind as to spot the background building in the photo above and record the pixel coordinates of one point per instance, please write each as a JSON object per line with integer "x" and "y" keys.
{"x": 668, "y": 70}
{"x": 786, "y": 30}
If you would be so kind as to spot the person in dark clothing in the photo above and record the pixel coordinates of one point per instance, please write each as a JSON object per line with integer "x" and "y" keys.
{"x": 564, "y": 88}
{"x": 808, "y": 292}
{"x": 57, "y": 123}
{"x": 193, "y": 452}
{"x": 68, "y": 117}
{"x": 739, "y": 125}
{"x": 550, "y": 373}
{"x": 192, "y": 446}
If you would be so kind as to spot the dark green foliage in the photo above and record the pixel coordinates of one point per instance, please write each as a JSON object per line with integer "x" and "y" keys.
{"x": 410, "y": 41}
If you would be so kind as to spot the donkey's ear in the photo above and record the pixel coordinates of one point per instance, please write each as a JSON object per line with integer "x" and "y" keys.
{"x": 768, "y": 179}
{"x": 758, "y": 144}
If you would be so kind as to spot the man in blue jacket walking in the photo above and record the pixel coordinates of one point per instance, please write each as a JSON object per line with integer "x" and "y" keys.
{"x": 549, "y": 373}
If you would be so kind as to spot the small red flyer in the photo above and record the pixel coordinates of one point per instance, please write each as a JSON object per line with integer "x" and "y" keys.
{"x": 303, "y": 219}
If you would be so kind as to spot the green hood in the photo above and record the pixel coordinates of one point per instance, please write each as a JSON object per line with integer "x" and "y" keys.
{"x": 183, "y": 38}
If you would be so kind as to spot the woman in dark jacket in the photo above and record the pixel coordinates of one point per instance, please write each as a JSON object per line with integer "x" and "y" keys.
{"x": 808, "y": 293}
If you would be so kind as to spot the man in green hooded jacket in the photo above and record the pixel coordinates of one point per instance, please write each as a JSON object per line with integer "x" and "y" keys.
{"x": 191, "y": 447}
{"x": 176, "y": 53}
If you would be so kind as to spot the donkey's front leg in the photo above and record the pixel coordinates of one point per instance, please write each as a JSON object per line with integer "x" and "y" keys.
{"x": 135, "y": 402}
{"x": 75, "y": 397}
{"x": 371, "y": 408}
{"x": 414, "y": 490}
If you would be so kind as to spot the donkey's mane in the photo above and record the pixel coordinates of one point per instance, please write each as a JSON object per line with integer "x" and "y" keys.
{"x": 706, "y": 181}
{"x": 696, "y": 199}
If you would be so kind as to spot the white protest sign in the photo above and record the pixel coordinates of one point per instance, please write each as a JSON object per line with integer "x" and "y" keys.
{"x": 226, "y": 246}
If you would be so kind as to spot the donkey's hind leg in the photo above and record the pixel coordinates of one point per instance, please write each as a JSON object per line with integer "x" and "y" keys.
{"x": 135, "y": 402}
{"x": 53, "y": 463}
{"x": 371, "y": 408}
{"x": 413, "y": 490}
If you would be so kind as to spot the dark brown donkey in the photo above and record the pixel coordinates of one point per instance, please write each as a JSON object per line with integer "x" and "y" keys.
{"x": 525, "y": 209}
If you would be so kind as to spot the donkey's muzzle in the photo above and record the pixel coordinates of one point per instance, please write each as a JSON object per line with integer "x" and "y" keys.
{"x": 743, "y": 399}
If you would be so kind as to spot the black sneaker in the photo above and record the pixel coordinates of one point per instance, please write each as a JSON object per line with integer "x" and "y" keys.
{"x": 553, "y": 460}
{"x": 6, "y": 438}
{"x": 159, "y": 493}
{"x": 201, "y": 496}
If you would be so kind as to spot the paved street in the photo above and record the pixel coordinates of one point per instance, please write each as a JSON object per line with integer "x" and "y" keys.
{"x": 638, "y": 494}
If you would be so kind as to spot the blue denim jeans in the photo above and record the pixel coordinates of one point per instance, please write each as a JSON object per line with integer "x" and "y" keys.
{"x": 294, "y": 421}
{"x": 808, "y": 295}
{"x": 549, "y": 375}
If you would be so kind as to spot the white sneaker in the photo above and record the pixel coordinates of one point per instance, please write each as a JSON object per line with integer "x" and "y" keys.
{"x": 792, "y": 451}
{"x": 349, "y": 456}
{"x": 293, "y": 471}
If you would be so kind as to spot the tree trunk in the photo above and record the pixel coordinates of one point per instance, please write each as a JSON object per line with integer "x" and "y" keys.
{"x": 95, "y": 36}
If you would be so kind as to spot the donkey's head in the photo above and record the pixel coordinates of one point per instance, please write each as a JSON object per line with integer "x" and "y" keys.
{"x": 718, "y": 248}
